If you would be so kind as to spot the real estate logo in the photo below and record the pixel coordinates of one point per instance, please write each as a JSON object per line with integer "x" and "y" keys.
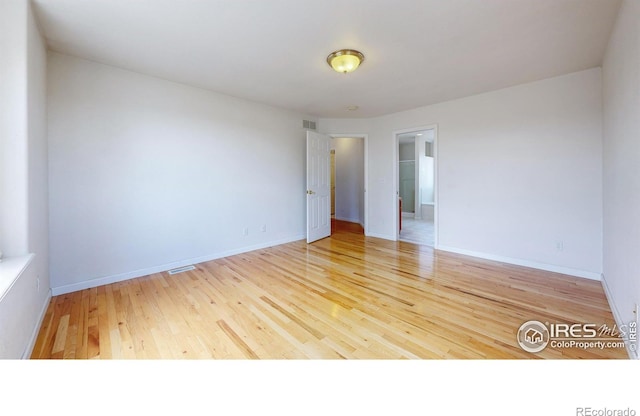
{"x": 533, "y": 336}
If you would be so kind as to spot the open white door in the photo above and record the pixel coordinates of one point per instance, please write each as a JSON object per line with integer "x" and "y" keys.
{"x": 318, "y": 186}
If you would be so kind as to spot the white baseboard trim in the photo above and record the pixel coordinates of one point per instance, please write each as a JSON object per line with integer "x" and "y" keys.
{"x": 526, "y": 263}
{"x": 616, "y": 316}
{"x": 354, "y": 220}
{"x": 100, "y": 281}
{"x": 383, "y": 236}
{"x": 36, "y": 330}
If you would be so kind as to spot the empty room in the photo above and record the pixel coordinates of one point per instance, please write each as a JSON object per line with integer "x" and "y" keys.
{"x": 165, "y": 181}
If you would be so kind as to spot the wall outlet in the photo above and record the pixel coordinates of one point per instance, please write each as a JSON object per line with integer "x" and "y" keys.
{"x": 559, "y": 245}
{"x": 245, "y": 231}
{"x": 263, "y": 228}
{"x": 38, "y": 283}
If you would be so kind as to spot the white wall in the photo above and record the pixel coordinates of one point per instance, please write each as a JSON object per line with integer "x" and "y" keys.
{"x": 519, "y": 170}
{"x": 21, "y": 309}
{"x": 23, "y": 173}
{"x": 38, "y": 157}
{"x": 621, "y": 90}
{"x": 349, "y": 179}
{"x": 13, "y": 127}
{"x": 147, "y": 174}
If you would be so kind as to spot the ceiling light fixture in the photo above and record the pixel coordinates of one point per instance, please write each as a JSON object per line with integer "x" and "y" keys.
{"x": 345, "y": 60}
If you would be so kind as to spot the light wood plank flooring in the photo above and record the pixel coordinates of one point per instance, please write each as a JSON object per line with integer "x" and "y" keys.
{"x": 346, "y": 296}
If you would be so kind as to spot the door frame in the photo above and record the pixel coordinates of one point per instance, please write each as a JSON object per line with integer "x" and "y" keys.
{"x": 396, "y": 177}
{"x": 365, "y": 138}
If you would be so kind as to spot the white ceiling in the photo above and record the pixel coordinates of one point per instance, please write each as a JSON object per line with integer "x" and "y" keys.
{"x": 417, "y": 52}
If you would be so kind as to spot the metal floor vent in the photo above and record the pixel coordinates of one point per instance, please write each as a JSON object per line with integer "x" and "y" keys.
{"x": 182, "y": 269}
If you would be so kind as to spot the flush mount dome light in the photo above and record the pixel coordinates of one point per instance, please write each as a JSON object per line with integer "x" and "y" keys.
{"x": 345, "y": 60}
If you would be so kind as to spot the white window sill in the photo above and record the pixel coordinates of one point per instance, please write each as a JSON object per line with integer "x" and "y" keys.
{"x": 10, "y": 269}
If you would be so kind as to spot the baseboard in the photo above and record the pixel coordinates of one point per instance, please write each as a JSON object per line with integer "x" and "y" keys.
{"x": 616, "y": 316}
{"x": 526, "y": 263}
{"x": 354, "y": 220}
{"x": 87, "y": 284}
{"x": 34, "y": 335}
{"x": 382, "y": 236}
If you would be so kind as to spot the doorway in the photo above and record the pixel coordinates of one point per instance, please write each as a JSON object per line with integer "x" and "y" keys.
{"x": 320, "y": 215}
{"x": 348, "y": 190}
{"x": 416, "y": 185}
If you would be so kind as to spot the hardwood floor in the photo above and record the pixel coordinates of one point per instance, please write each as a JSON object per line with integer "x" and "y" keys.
{"x": 347, "y": 296}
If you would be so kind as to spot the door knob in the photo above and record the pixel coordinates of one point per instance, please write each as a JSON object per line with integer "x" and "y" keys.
{"x": 309, "y": 192}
